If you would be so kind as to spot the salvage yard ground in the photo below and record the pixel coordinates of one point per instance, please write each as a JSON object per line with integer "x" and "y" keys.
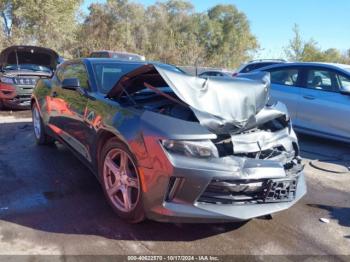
{"x": 51, "y": 204}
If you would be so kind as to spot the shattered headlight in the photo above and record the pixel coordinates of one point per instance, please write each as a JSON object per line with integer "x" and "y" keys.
{"x": 198, "y": 149}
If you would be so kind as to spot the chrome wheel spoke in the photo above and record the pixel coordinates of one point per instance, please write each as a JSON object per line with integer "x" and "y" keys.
{"x": 123, "y": 162}
{"x": 112, "y": 167}
{"x": 114, "y": 189}
{"x": 132, "y": 182}
{"x": 127, "y": 198}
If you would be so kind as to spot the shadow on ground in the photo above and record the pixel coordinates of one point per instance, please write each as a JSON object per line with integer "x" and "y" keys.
{"x": 18, "y": 113}
{"x": 341, "y": 214}
{"x": 48, "y": 189}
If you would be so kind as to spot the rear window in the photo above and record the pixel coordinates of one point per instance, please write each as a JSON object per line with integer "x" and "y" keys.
{"x": 108, "y": 74}
{"x": 253, "y": 67}
{"x": 127, "y": 57}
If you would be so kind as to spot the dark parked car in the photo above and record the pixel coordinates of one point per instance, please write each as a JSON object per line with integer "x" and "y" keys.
{"x": 256, "y": 64}
{"x": 173, "y": 147}
{"x": 117, "y": 55}
{"x": 21, "y": 67}
{"x": 214, "y": 74}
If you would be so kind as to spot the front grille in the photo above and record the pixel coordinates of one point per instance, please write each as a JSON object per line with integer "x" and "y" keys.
{"x": 21, "y": 99}
{"x": 232, "y": 192}
{"x": 26, "y": 81}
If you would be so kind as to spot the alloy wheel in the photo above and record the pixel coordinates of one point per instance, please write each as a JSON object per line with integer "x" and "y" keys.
{"x": 36, "y": 122}
{"x": 121, "y": 180}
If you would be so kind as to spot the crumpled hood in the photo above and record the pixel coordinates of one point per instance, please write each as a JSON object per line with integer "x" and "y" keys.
{"x": 222, "y": 105}
{"x": 29, "y": 55}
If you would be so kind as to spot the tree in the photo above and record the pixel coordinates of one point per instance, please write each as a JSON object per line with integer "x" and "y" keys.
{"x": 299, "y": 50}
{"x": 49, "y": 23}
{"x": 170, "y": 31}
{"x": 295, "y": 49}
{"x": 227, "y": 36}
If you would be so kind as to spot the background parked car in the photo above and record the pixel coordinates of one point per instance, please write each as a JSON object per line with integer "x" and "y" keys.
{"x": 21, "y": 67}
{"x": 214, "y": 74}
{"x": 256, "y": 64}
{"x": 117, "y": 55}
{"x": 317, "y": 96}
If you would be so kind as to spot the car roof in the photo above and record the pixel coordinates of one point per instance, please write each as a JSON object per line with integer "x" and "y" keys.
{"x": 114, "y": 52}
{"x": 343, "y": 67}
{"x": 261, "y": 61}
{"x": 212, "y": 71}
{"x": 93, "y": 60}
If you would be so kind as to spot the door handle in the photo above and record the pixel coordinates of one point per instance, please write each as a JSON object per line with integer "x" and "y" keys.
{"x": 308, "y": 97}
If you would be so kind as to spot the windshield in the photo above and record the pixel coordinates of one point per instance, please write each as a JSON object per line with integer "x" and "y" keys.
{"x": 108, "y": 74}
{"x": 29, "y": 67}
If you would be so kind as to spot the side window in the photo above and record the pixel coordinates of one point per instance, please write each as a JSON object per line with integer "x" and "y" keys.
{"x": 343, "y": 81}
{"x": 77, "y": 71}
{"x": 320, "y": 80}
{"x": 287, "y": 77}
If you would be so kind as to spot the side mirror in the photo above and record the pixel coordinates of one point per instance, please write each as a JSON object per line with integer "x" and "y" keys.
{"x": 71, "y": 84}
{"x": 345, "y": 90}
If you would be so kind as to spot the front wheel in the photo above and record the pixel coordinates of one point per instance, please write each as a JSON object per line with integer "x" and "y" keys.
{"x": 121, "y": 182}
{"x": 39, "y": 131}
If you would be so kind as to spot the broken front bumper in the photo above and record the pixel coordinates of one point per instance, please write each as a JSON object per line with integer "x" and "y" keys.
{"x": 250, "y": 188}
{"x": 19, "y": 98}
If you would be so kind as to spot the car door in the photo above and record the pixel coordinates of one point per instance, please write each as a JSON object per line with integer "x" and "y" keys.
{"x": 323, "y": 109}
{"x": 70, "y": 108}
{"x": 285, "y": 87}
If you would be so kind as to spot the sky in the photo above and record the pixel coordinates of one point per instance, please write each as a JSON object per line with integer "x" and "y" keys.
{"x": 327, "y": 22}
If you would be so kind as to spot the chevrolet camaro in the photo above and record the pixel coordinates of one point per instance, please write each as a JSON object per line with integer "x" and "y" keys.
{"x": 172, "y": 147}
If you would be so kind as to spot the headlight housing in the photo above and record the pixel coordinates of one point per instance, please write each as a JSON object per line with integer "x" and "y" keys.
{"x": 6, "y": 80}
{"x": 197, "y": 149}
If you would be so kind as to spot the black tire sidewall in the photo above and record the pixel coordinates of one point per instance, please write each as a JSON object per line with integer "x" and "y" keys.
{"x": 137, "y": 214}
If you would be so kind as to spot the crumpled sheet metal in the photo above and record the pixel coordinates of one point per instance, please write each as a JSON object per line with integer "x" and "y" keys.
{"x": 222, "y": 105}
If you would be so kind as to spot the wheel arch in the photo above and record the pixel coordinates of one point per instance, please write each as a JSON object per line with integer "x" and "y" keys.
{"x": 102, "y": 138}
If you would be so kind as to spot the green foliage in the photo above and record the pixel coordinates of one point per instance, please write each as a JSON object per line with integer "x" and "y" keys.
{"x": 299, "y": 50}
{"x": 49, "y": 23}
{"x": 168, "y": 31}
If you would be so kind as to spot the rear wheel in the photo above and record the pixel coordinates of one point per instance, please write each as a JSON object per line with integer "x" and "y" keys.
{"x": 121, "y": 182}
{"x": 39, "y": 129}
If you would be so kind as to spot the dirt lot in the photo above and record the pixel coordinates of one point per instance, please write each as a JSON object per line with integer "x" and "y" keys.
{"x": 51, "y": 204}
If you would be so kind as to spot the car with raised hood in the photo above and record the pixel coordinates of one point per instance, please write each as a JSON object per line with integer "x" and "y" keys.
{"x": 20, "y": 69}
{"x": 317, "y": 96}
{"x": 172, "y": 147}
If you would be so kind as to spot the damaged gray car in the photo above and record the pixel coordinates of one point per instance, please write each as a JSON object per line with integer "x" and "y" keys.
{"x": 172, "y": 147}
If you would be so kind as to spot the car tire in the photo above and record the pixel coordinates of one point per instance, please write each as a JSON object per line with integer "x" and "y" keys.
{"x": 121, "y": 182}
{"x": 41, "y": 137}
